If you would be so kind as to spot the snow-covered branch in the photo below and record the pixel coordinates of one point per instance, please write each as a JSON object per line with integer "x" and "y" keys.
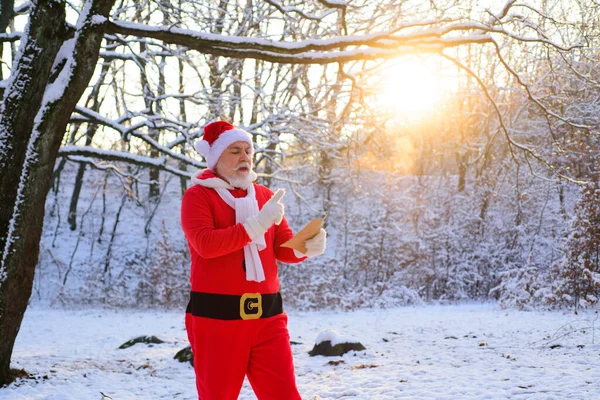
{"x": 317, "y": 51}
{"x": 126, "y": 131}
{"x": 527, "y": 151}
{"x": 530, "y": 95}
{"x": 121, "y": 156}
{"x": 10, "y": 37}
{"x": 103, "y": 165}
{"x": 288, "y": 10}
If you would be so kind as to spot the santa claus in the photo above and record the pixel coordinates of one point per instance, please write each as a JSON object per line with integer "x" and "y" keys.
{"x": 235, "y": 228}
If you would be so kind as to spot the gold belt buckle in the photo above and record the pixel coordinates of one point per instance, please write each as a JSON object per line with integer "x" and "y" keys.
{"x": 251, "y": 306}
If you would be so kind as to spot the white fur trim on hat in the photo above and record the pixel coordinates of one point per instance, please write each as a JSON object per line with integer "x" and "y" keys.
{"x": 224, "y": 140}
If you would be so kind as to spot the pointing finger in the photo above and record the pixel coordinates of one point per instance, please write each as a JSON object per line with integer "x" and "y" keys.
{"x": 278, "y": 195}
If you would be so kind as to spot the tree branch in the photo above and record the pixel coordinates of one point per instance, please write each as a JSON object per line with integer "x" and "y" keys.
{"x": 307, "y": 51}
{"x": 87, "y": 154}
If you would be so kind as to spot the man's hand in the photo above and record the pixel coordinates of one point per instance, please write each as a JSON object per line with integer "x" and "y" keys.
{"x": 271, "y": 213}
{"x": 314, "y": 246}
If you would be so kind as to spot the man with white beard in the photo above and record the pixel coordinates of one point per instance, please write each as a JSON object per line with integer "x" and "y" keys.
{"x": 235, "y": 228}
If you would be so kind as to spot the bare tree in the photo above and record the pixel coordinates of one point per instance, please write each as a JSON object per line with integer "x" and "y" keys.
{"x": 52, "y": 71}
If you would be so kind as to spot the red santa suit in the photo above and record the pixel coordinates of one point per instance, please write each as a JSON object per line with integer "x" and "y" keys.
{"x": 236, "y": 327}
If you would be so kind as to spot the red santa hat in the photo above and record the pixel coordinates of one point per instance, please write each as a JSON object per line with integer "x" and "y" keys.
{"x": 218, "y": 136}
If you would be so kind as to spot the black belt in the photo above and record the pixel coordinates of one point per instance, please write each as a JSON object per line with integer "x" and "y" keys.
{"x": 231, "y": 307}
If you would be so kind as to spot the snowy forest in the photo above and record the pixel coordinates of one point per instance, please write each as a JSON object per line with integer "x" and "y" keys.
{"x": 453, "y": 146}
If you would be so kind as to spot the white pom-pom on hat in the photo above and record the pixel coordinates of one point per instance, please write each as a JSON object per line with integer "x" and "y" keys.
{"x": 202, "y": 147}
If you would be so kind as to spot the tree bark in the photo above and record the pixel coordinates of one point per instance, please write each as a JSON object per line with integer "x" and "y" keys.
{"x": 182, "y": 117}
{"x": 6, "y": 15}
{"x": 461, "y": 159}
{"x": 153, "y": 108}
{"x": 31, "y": 132}
{"x": 72, "y": 218}
{"x": 47, "y": 30}
{"x": 89, "y": 136}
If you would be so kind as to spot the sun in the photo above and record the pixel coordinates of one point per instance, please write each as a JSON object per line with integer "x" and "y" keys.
{"x": 410, "y": 86}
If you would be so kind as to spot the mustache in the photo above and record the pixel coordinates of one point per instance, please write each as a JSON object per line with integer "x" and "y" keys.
{"x": 243, "y": 164}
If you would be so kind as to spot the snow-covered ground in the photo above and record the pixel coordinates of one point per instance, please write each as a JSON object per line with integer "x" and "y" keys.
{"x": 468, "y": 351}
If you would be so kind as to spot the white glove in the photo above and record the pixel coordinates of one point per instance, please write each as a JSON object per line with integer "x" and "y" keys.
{"x": 271, "y": 213}
{"x": 314, "y": 246}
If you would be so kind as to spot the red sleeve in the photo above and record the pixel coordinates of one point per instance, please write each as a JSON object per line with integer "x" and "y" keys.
{"x": 198, "y": 223}
{"x": 283, "y": 233}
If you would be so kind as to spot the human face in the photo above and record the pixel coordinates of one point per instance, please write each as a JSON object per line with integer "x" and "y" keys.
{"x": 235, "y": 164}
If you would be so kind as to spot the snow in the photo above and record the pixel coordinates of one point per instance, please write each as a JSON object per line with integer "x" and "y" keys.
{"x": 110, "y": 154}
{"x": 125, "y": 131}
{"x": 252, "y": 42}
{"x": 244, "y": 43}
{"x": 55, "y": 90}
{"x": 332, "y": 336}
{"x": 10, "y": 37}
{"x": 468, "y": 351}
{"x": 98, "y": 19}
{"x": 334, "y": 2}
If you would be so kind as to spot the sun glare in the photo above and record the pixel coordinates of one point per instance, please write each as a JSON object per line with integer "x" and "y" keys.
{"x": 409, "y": 86}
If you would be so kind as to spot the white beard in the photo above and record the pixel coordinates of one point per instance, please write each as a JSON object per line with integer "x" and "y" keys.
{"x": 241, "y": 182}
{"x": 236, "y": 181}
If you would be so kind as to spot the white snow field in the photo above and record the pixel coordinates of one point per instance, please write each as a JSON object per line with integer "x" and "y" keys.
{"x": 468, "y": 351}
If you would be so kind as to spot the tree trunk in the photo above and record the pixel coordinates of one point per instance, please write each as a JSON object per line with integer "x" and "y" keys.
{"x": 183, "y": 118}
{"x": 6, "y": 15}
{"x": 72, "y": 218}
{"x": 461, "y": 160}
{"x": 30, "y": 136}
{"x": 21, "y": 102}
{"x": 89, "y": 136}
{"x": 153, "y": 108}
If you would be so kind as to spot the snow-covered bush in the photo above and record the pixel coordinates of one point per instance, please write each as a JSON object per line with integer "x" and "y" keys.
{"x": 579, "y": 270}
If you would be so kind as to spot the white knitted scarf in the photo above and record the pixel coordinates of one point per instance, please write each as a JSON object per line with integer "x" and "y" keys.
{"x": 245, "y": 207}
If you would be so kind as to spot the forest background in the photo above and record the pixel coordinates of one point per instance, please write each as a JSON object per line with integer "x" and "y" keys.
{"x": 453, "y": 146}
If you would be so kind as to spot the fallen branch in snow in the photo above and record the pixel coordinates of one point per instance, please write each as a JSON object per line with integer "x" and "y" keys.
{"x": 570, "y": 328}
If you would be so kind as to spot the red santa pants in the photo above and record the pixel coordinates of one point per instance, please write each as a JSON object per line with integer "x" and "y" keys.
{"x": 226, "y": 351}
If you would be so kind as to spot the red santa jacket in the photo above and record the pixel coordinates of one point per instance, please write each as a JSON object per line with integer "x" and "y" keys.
{"x": 216, "y": 242}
